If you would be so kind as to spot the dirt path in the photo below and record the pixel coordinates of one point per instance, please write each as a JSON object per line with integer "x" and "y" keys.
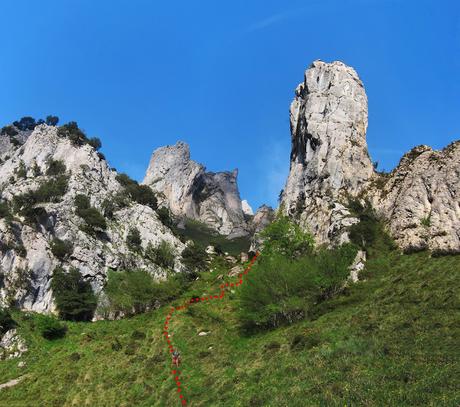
{"x": 176, "y": 372}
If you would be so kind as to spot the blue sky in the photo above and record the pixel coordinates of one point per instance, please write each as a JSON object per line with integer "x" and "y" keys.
{"x": 220, "y": 75}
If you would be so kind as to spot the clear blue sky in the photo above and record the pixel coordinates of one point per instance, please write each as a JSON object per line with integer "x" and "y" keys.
{"x": 140, "y": 74}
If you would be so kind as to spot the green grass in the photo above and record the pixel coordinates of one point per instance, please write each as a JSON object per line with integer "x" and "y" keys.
{"x": 389, "y": 341}
{"x": 203, "y": 235}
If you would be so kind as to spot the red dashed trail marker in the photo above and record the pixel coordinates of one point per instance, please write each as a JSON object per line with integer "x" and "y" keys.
{"x": 176, "y": 372}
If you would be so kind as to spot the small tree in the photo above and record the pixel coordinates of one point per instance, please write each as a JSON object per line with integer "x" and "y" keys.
{"x": 52, "y": 120}
{"x": 50, "y": 328}
{"x": 6, "y": 321}
{"x": 95, "y": 142}
{"x": 286, "y": 238}
{"x": 74, "y": 296}
{"x": 195, "y": 258}
{"x": 133, "y": 239}
{"x": 61, "y": 248}
{"x": 56, "y": 167}
{"x": 163, "y": 255}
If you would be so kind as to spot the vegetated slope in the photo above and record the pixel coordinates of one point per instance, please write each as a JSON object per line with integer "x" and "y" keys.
{"x": 389, "y": 340}
{"x": 205, "y": 236}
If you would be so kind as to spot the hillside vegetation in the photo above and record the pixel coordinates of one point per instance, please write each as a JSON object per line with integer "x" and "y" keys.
{"x": 389, "y": 340}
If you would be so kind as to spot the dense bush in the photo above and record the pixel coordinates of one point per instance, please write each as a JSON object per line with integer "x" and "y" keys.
{"x": 73, "y": 133}
{"x": 133, "y": 239}
{"x": 194, "y": 257}
{"x": 50, "y": 191}
{"x": 52, "y": 120}
{"x": 73, "y": 295}
{"x": 5, "y": 212}
{"x": 286, "y": 238}
{"x": 281, "y": 290}
{"x": 92, "y": 217}
{"x": 142, "y": 194}
{"x": 61, "y": 248}
{"x": 95, "y": 142}
{"x": 363, "y": 233}
{"x": 26, "y": 123}
{"x": 6, "y": 321}
{"x": 21, "y": 171}
{"x": 56, "y": 167}
{"x": 163, "y": 255}
{"x": 9, "y": 131}
{"x": 164, "y": 214}
{"x": 50, "y": 328}
{"x": 132, "y": 292}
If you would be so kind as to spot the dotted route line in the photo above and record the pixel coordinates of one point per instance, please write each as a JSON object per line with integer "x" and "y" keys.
{"x": 175, "y": 372}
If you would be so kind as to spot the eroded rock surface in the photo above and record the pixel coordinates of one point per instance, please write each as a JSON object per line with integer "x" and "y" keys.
{"x": 329, "y": 158}
{"x": 189, "y": 191}
{"x": 420, "y": 199}
{"x": 26, "y": 259}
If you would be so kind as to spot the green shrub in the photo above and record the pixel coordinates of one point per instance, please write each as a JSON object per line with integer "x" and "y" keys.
{"x": 92, "y": 217}
{"x": 281, "y": 290}
{"x": 6, "y": 321}
{"x": 364, "y": 233}
{"x": 21, "y": 171}
{"x": 50, "y": 328}
{"x": 95, "y": 142}
{"x": 163, "y": 255}
{"x": 141, "y": 194}
{"x": 194, "y": 257}
{"x": 133, "y": 292}
{"x": 74, "y": 296}
{"x": 286, "y": 238}
{"x": 61, "y": 248}
{"x": 9, "y": 131}
{"x": 50, "y": 191}
{"x": 52, "y": 120}
{"x": 56, "y": 167}
{"x": 73, "y": 133}
{"x": 133, "y": 239}
{"x": 164, "y": 214}
{"x": 26, "y": 123}
{"x": 5, "y": 212}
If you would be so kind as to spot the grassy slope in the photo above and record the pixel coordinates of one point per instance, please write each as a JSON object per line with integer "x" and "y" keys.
{"x": 390, "y": 341}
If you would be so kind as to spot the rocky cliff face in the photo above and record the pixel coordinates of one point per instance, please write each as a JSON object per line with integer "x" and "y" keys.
{"x": 419, "y": 200}
{"x": 26, "y": 258}
{"x": 189, "y": 191}
{"x": 329, "y": 158}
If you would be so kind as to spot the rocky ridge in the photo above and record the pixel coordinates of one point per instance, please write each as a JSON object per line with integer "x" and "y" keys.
{"x": 185, "y": 187}
{"x": 26, "y": 258}
{"x": 330, "y": 165}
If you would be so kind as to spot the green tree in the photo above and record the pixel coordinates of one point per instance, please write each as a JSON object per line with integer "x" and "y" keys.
{"x": 74, "y": 296}
{"x": 286, "y": 238}
{"x": 133, "y": 239}
{"x": 195, "y": 258}
{"x": 61, "y": 248}
{"x": 52, "y": 120}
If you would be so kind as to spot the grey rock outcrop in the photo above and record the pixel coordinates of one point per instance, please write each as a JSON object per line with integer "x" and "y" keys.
{"x": 420, "y": 199}
{"x": 26, "y": 258}
{"x": 330, "y": 164}
{"x": 189, "y": 191}
{"x": 329, "y": 158}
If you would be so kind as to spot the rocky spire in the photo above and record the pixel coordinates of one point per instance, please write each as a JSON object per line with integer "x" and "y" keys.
{"x": 329, "y": 158}
{"x": 189, "y": 191}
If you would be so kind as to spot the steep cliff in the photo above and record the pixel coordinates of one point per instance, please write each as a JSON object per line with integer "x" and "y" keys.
{"x": 418, "y": 201}
{"x": 329, "y": 158}
{"x": 42, "y": 176}
{"x": 189, "y": 191}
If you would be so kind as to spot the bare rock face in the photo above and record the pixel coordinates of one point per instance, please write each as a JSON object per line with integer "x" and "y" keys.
{"x": 420, "y": 199}
{"x": 189, "y": 191}
{"x": 26, "y": 258}
{"x": 329, "y": 158}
